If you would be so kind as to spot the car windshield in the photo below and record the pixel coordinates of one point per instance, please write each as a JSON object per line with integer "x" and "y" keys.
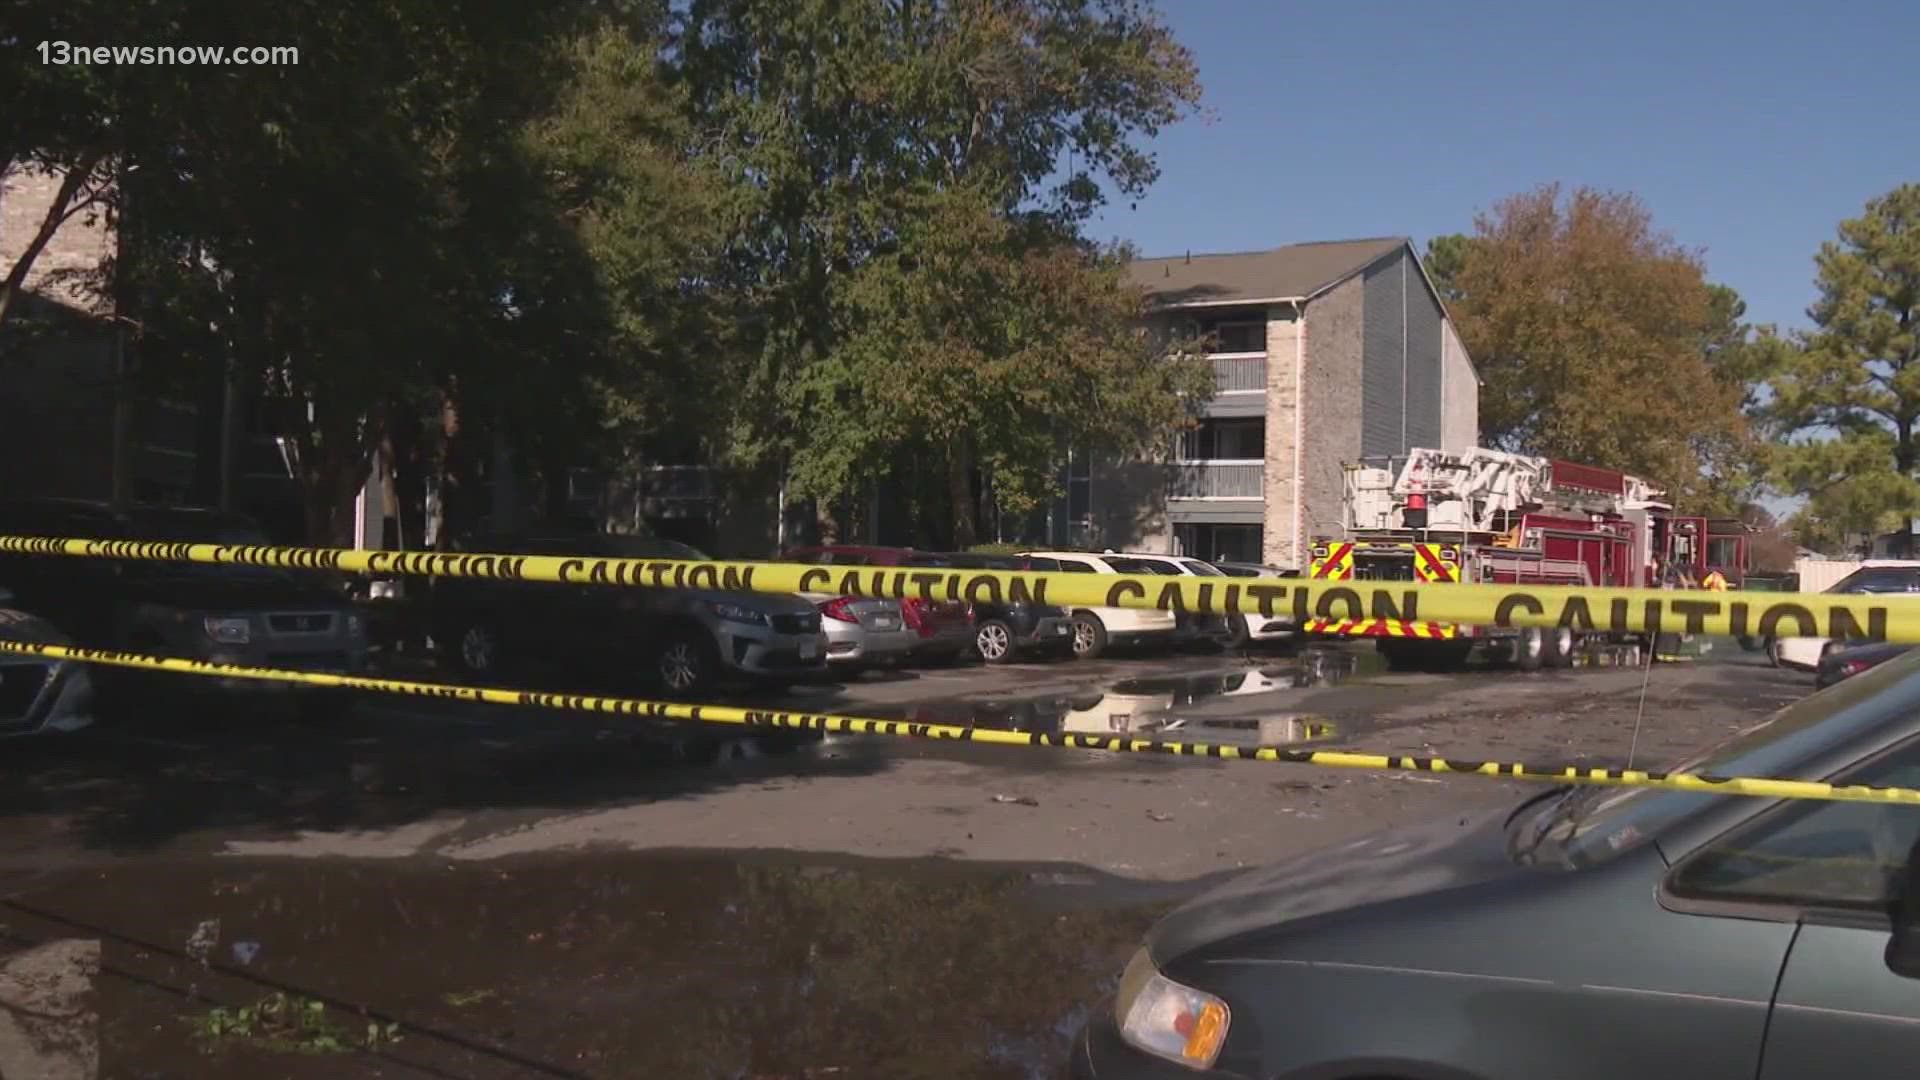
{"x": 1195, "y": 566}
{"x": 187, "y": 528}
{"x": 1587, "y": 824}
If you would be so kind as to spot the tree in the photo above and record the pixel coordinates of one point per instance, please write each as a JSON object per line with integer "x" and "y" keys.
{"x": 841, "y": 122}
{"x": 981, "y": 347}
{"x": 1852, "y": 394}
{"x": 1445, "y": 259}
{"x": 1590, "y": 330}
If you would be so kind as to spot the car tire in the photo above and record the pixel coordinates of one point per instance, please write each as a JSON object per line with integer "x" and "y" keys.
{"x": 477, "y": 650}
{"x": 1529, "y": 648}
{"x": 685, "y": 663}
{"x": 1237, "y": 635}
{"x": 993, "y": 642}
{"x": 1560, "y": 647}
{"x": 1089, "y": 636}
{"x": 1773, "y": 651}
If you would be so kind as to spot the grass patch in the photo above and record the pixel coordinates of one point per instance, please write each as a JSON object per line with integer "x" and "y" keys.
{"x": 294, "y": 1025}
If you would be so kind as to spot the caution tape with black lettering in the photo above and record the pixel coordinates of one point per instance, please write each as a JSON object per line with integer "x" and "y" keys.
{"x": 1589, "y": 610}
{"x": 762, "y": 718}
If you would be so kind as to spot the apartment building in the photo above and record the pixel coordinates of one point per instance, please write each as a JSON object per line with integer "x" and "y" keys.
{"x": 1323, "y": 354}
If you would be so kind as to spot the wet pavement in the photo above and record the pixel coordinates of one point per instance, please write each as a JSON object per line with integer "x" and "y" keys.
{"x": 721, "y": 967}
{"x": 482, "y": 892}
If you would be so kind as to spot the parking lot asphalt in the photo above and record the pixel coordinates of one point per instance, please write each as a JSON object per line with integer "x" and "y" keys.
{"x": 509, "y": 889}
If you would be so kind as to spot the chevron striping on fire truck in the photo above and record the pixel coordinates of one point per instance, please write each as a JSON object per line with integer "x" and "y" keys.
{"x": 1488, "y": 517}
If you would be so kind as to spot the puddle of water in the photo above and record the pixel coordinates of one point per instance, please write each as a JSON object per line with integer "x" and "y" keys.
{"x": 1150, "y": 707}
{"x": 757, "y": 968}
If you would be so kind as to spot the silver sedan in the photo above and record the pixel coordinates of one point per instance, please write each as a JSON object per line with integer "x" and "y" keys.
{"x": 864, "y": 632}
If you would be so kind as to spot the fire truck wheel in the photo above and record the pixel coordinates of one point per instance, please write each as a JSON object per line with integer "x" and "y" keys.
{"x": 1529, "y": 648}
{"x": 1560, "y": 647}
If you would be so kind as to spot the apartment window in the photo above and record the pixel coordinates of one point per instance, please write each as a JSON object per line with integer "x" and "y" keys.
{"x": 1219, "y": 543}
{"x": 1225, "y": 440}
{"x": 1079, "y": 486}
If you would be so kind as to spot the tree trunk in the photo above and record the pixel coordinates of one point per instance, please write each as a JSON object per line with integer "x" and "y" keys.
{"x": 62, "y": 208}
{"x": 966, "y": 529}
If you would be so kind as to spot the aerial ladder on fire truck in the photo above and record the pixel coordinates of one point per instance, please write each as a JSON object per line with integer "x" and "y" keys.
{"x": 1493, "y": 517}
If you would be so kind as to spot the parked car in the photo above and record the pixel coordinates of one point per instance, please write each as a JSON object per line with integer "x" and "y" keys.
{"x": 1588, "y": 932}
{"x": 256, "y": 616}
{"x": 1192, "y": 626}
{"x": 863, "y": 632}
{"x": 938, "y": 632}
{"x": 1009, "y": 630}
{"x": 1096, "y": 629}
{"x": 686, "y": 641}
{"x": 1846, "y": 663}
{"x": 1257, "y": 628}
{"x": 39, "y": 696}
{"x": 1876, "y": 577}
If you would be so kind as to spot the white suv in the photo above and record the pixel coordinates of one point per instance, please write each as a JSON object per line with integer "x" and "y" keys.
{"x": 1096, "y": 628}
{"x": 1227, "y": 629}
{"x": 1874, "y": 577}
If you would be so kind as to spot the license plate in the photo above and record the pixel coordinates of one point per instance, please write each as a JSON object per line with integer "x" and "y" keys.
{"x": 885, "y": 622}
{"x": 809, "y": 650}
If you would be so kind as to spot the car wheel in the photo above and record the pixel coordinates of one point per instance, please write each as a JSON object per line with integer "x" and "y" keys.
{"x": 1560, "y": 647}
{"x": 1773, "y": 651}
{"x": 685, "y": 663}
{"x": 1089, "y": 636}
{"x": 478, "y": 651}
{"x": 993, "y": 641}
{"x": 1237, "y": 634}
{"x": 1529, "y": 648}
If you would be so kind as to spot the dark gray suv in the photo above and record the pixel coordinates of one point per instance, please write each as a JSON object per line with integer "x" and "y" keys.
{"x": 685, "y": 641}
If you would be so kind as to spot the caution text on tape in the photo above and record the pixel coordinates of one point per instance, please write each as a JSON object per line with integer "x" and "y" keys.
{"x": 856, "y": 725}
{"x": 1587, "y": 610}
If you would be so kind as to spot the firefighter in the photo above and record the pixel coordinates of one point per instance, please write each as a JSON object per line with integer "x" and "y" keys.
{"x": 1715, "y": 581}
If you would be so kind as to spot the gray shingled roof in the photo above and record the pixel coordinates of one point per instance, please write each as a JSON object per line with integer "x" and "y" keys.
{"x": 1296, "y": 271}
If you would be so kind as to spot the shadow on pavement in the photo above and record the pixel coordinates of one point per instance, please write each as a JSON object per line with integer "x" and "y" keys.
{"x": 243, "y": 766}
{"x": 598, "y": 964}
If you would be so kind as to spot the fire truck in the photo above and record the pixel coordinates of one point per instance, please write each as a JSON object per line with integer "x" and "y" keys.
{"x": 1498, "y": 518}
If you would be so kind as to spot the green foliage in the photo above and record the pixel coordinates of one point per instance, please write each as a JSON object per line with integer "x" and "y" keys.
{"x": 1595, "y": 335}
{"x": 1851, "y": 397}
{"x": 285, "y": 1024}
{"x": 1445, "y": 259}
{"x": 850, "y": 130}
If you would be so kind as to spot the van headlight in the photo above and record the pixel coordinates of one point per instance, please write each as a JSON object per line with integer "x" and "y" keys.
{"x": 229, "y": 631}
{"x": 1163, "y": 1018}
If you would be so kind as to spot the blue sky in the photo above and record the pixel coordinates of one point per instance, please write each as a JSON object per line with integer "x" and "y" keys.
{"x": 1750, "y": 130}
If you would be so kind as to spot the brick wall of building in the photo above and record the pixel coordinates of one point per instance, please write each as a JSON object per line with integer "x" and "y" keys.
{"x": 1278, "y": 545}
{"x": 79, "y": 245}
{"x": 1332, "y": 395}
{"x": 1459, "y": 395}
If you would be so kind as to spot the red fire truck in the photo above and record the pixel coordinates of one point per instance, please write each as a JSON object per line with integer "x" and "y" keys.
{"x": 1493, "y": 517}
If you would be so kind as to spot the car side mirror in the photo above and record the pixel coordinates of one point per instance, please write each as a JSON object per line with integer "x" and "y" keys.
{"x": 1903, "y": 946}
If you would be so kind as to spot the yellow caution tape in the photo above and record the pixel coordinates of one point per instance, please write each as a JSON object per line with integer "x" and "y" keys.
{"x": 762, "y": 718}
{"x": 1618, "y": 611}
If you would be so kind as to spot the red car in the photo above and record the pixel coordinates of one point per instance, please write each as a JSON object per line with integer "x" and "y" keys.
{"x": 945, "y": 627}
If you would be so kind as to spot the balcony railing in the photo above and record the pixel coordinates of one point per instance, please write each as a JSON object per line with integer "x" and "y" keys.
{"x": 1239, "y": 373}
{"x": 1218, "y": 480}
